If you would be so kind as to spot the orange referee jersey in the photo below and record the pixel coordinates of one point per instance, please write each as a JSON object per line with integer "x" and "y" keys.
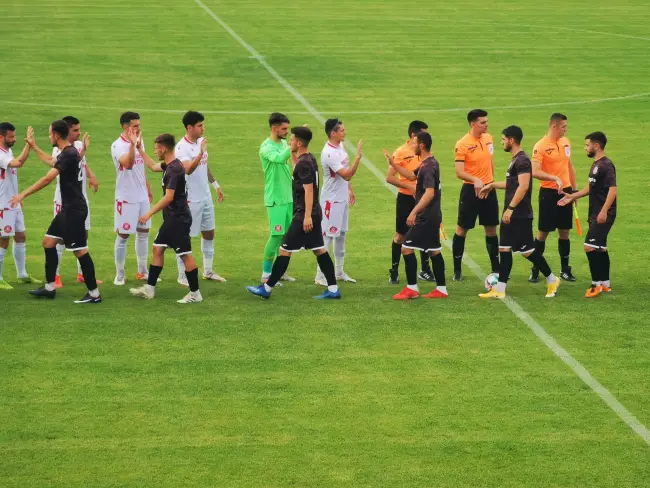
{"x": 477, "y": 156}
{"x": 554, "y": 157}
{"x": 405, "y": 156}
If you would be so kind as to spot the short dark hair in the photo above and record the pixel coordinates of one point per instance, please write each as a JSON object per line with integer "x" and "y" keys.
{"x": 597, "y": 137}
{"x": 70, "y": 120}
{"x": 6, "y": 127}
{"x": 302, "y": 133}
{"x": 60, "y": 127}
{"x": 417, "y": 126}
{"x": 166, "y": 140}
{"x": 331, "y": 125}
{"x": 127, "y": 117}
{"x": 276, "y": 118}
{"x": 557, "y": 117}
{"x": 475, "y": 114}
{"x": 425, "y": 138}
{"x": 513, "y": 132}
{"x": 192, "y": 118}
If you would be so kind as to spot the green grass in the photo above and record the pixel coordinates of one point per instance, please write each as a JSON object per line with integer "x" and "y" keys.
{"x": 238, "y": 392}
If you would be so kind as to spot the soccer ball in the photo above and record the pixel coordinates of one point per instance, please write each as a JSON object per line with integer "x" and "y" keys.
{"x": 491, "y": 280}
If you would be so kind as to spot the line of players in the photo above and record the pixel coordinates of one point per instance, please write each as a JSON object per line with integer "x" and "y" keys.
{"x": 551, "y": 164}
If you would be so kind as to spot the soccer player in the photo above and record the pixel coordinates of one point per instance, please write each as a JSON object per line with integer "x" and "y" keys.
{"x": 405, "y": 157}
{"x": 276, "y": 158}
{"x": 74, "y": 135}
{"x": 425, "y": 220}
{"x": 602, "y": 191}
{"x": 337, "y": 195}
{"x": 177, "y": 218}
{"x": 475, "y": 168}
{"x": 198, "y": 195}
{"x": 132, "y": 198}
{"x": 12, "y": 220}
{"x": 69, "y": 225}
{"x": 517, "y": 220}
{"x": 305, "y": 228}
{"x": 552, "y": 165}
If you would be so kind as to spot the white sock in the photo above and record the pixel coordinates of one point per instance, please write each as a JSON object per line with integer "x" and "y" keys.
{"x": 2, "y": 260}
{"x": 413, "y": 287}
{"x": 94, "y": 293}
{"x": 79, "y": 270}
{"x": 442, "y": 289}
{"x": 50, "y": 286}
{"x": 150, "y": 289}
{"x": 207, "y": 247}
{"x": 265, "y": 275}
{"x": 339, "y": 253}
{"x": 120, "y": 255}
{"x": 550, "y": 279}
{"x": 142, "y": 250}
{"x": 596, "y": 283}
{"x": 19, "y": 259}
{"x": 181, "y": 267}
{"x": 59, "y": 251}
{"x": 195, "y": 294}
{"x": 268, "y": 288}
{"x": 333, "y": 288}
{"x": 500, "y": 287}
{"x": 606, "y": 283}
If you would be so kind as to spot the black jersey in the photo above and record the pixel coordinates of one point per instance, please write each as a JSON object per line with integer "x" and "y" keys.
{"x": 305, "y": 173}
{"x": 519, "y": 165}
{"x": 71, "y": 176}
{"x": 602, "y": 176}
{"x": 174, "y": 179}
{"x": 428, "y": 176}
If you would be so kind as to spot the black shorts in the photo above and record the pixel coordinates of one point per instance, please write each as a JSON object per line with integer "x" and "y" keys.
{"x": 404, "y": 205}
{"x": 424, "y": 236}
{"x": 597, "y": 234}
{"x": 517, "y": 235}
{"x": 70, "y": 226}
{"x": 470, "y": 206}
{"x": 296, "y": 239}
{"x": 552, "y": 216}
{"x": 174, "y": 233}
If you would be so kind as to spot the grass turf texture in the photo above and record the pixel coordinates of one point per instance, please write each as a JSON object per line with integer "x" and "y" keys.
{"x": 290, "y": 392}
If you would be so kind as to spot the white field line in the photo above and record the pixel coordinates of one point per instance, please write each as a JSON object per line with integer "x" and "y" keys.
{"x": 512, "y": 305}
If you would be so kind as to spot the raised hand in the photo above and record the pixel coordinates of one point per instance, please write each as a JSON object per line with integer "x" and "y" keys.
{"x": 30, "y": 137}
{"x": 86, "y": 141}
{"x": 204, "y": 144}
{"x": 360, "y": 149}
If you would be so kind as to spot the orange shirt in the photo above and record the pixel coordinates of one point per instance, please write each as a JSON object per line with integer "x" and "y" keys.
{"x": 477, "y": 156}
{"x": 554, "y": 157}
{"x": 405, "y": 156}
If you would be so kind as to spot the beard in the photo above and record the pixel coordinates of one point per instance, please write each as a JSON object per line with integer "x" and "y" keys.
{"x": 591, "y": 154}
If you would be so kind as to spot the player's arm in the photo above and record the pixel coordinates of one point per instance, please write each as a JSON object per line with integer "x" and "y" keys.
{"x": 612, "y": 192}
{"x": 428, "y": 195}
{"x": 38, "y": 186}
{"x": 495, "y": 185}
{"x": 92, "y": 179}
{"x": 463, "y": 175}
{"x": 275, "y": 156}
{"x": 190, "y": 166}
{"x": 567, "y": 199}
{"x": 308, "y": 224}
{"x": 86, "y": 142}
{"x": 395, "y": 168}
{"x": 572, "y": 176}
{"x": 348, "y": 173}
{"x": 151, "y": 164}
{"x": 544, "y": 176}
{"x": 19, "y": 162}
{"x": 164, "y": 202}
{"x": 215, "y": 184}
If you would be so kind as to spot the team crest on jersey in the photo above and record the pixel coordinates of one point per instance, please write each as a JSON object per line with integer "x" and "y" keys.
{"x": 567, "y": 151}
{"x": 126, "y": 226}
{"x": 57, "y": 208}
{"x": 7, "y": 229}
{"x": 333, "y": 230}
{"x": 278, "y": 228}
{"x": 595, "y": 169}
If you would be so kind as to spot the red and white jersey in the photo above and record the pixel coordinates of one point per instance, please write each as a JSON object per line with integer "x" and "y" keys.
{"x": 55, "y": 153}
{"x": 335, "y": 188}
{"x": 131, "y": 183}
{"x": 198, "y": 186}
{"x": 8, "y": 178}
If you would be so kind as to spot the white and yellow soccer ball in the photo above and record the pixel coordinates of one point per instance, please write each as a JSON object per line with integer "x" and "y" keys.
{"x": 491, "y": 280}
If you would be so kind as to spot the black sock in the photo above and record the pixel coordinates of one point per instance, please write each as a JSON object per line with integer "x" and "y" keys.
{"x": 424, "y": 262}
{"x": 51, "y": 262}
{"x": 411, "y": 265}
{"x": 154, "y": 273}
{"x": 564, "y": 248}
{"x": 505, "y": 266}
{"x": 438, "y": 265}
{"x": 396, "y": 250}
{"x": 327, "y": 267}
{"x": 606, "y": 265}
{"x": 540, "y": 246}
{"x": 88, "y": 270}
{"x": 458, "y": 249}
{"x": 193, "y": 279}
{"x": 280, "y": 266}
{"x": 539, "y": 262}
{"x": 593, "y": 266}
{"x": 492, "y": 246}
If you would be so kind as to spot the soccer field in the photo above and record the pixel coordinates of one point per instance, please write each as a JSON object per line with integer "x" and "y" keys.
{"x": 365, "y": 392}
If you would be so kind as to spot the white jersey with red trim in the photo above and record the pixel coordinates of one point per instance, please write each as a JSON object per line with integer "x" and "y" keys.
{"x": 8, "y": 178}
{"x": 198, "y": 185}
{"x": 131, "y": 183}
{"x": 335, "y": 188}
{"x": 55, "y": 153}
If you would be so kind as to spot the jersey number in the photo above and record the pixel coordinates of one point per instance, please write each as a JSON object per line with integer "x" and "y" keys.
{"x": 80, "y": 176}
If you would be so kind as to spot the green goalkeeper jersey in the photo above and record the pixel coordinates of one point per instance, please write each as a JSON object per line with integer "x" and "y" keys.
{"x": 276, "y": 163}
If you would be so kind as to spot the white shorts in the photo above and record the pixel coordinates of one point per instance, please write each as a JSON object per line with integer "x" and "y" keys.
{"x": 11, "y": 221}
{"x": 127, "y": 215}
{"x": 57, "y": 211}
{"x": 335, "y": 218}
{"x": 202, "y": 216}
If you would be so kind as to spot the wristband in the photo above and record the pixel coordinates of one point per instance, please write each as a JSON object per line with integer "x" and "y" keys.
{"x": 511, "y": 208}
{"x": 215, "y": 185}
